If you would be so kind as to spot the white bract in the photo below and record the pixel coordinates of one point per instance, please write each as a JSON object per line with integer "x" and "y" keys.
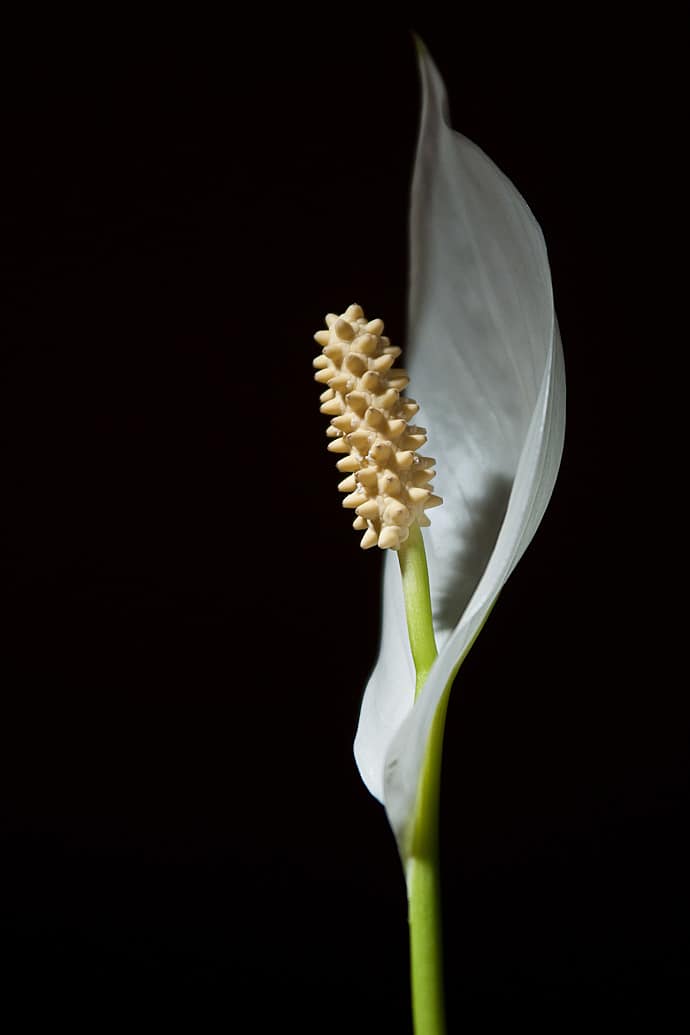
{"x": 486, "y": 365}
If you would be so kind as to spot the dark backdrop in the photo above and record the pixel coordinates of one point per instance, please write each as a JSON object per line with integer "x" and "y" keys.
{"x": 189, "y": 621}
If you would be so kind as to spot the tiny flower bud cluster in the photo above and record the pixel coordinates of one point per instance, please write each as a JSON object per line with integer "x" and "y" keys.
{"x": 388, "y": 486}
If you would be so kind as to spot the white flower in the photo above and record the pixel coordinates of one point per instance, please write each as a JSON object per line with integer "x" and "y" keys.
{"x": 486, "y": 364}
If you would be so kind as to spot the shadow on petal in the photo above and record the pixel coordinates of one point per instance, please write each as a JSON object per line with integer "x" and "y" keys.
{"x": 467, "y": 557}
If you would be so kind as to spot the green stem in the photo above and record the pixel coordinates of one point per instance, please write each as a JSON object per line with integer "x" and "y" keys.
{"x": 423, "y": 869}
{"x": 424, "y": 891}
{"x": 423, "y": 875}
{"x": 415, "y": 580}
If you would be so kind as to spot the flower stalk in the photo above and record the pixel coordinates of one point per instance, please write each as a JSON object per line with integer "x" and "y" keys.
{"x": 423, "y": 866}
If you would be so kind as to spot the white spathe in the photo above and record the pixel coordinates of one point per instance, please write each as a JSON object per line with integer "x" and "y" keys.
{"x": 486, "y": 365}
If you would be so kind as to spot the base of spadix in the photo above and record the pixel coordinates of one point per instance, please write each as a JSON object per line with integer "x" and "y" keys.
{"x": 415, "y": 578}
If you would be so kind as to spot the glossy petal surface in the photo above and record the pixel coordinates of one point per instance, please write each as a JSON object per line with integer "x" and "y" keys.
{"x": 486, "y": 365}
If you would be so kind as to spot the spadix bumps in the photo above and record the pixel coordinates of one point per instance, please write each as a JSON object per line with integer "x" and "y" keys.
{"x": 387, "y": 484}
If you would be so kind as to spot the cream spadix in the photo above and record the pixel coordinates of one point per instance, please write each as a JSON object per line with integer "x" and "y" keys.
{"x": 485, "y": 358}
{"x": 389, "y": 484}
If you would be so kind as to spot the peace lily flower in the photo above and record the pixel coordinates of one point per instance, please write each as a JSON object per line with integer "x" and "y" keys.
{"x": 485, "y": 360}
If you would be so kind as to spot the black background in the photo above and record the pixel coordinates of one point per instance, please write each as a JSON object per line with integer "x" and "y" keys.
{"x": 189, "y": 621}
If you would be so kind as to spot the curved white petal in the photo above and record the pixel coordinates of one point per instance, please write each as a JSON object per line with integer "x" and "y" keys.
{"x": 486, "y": 365}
